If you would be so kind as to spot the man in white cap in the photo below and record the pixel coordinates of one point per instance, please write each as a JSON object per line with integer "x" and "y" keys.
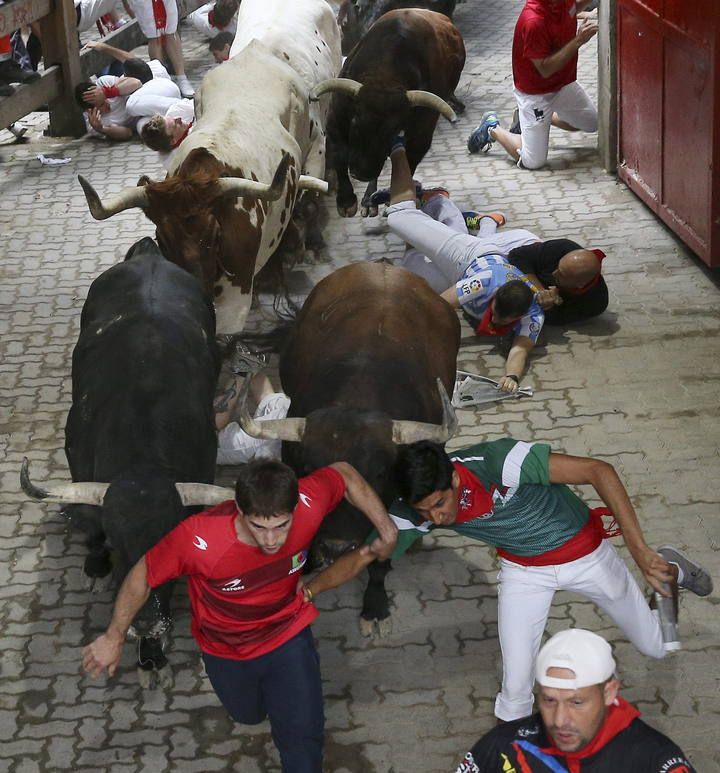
{"x": 583, "y": 724}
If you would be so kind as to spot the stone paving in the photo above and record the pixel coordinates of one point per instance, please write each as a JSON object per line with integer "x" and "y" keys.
{"x": 637, "y": 387}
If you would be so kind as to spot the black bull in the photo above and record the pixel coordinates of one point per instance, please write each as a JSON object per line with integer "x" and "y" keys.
{"x": 143, "y": 376}
{"x": 362, "y": 368}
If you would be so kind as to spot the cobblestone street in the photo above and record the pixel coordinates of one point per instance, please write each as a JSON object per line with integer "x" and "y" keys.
{"x": 638, "y": 387}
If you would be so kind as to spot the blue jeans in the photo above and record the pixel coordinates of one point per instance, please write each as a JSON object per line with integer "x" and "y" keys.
{"x": 283, "y": 685}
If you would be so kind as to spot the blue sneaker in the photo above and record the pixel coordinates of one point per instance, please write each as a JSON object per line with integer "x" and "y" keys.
{"x": 480, "y": 139}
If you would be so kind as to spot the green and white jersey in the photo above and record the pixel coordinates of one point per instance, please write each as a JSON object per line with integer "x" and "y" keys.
{"x": 505, "y": 499}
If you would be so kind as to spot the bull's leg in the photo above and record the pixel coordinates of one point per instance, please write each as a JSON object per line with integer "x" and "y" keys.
{"x": 345, "y": 198}
{"x": 366, "y": 207}
{"x": 86, "y": 519}
{"x": 456, "y": 103}
{"x": 152, "y": 663}
{"x": 375, "y": 615}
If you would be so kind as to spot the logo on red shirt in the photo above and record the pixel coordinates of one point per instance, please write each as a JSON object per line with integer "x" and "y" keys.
{"x": 200, "y": 543}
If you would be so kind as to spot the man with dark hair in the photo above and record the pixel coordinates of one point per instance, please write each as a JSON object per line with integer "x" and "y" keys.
{"x": 514, "y": 495}
{"x": 215, "y": 17}
{"x": 220, "y": 46}
{"x": 583, "y": 723}
{"x": 474, "y": 279}
{"x": 250, "y": 615}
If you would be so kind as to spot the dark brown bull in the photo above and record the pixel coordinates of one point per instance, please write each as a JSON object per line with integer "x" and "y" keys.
{"x": 362, "y": 368}
{"x": 396, "y": 79}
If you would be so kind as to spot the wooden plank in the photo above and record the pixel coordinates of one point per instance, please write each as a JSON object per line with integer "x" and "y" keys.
{"x": 16, "y": 14}
{"x": 27, "y": 99}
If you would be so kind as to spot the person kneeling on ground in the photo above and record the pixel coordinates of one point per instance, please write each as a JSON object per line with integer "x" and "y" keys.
{"x": 495, "y": 294}
{"x": 583, "y": 723}
{"x": 249, "y": 613}
{"x": 514, "y": 496}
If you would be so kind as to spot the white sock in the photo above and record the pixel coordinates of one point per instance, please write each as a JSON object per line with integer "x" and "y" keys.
{"x": 681, "y": 574}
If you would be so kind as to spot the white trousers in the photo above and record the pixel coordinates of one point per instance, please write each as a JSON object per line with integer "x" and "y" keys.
{"x": 440, "y": 235}
{"x": 143, "y": 11}
{"x": 525, "y": 594}
{"x": 91, "y": 11}
{"x": 236, "y": 447}
{"x": 155, "y": 96}
{"x": 572, "y": 105}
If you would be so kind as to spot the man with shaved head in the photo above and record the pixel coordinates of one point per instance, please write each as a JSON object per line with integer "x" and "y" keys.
{"x": 570, "y": 274}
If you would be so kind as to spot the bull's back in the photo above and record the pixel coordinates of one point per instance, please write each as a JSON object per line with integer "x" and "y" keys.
{"x": 373, "y": 313}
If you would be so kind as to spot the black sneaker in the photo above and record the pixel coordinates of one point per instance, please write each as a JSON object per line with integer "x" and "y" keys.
{"x": 10, "y": 72}
{"x": 515, "y": 124}
{"x": 6, "y": 90}
{"x": 383, "y": 195}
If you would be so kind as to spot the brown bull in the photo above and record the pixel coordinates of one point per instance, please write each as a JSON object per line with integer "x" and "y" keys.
{"x": 396, "y": 79}
{"x": 368, "y": 367}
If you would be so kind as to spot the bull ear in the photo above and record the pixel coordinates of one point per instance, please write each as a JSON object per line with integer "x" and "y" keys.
{"x": 343, "y": 85}
{"x": 269, "y": 429}
{"x": 192, "y": 494}
{"x": 240, "y": 186}
{"x": 433, "y": 101}
{"x": 65, "y": 494}
{"x": 412, "y": 431}
{"x": 127, "y": 199}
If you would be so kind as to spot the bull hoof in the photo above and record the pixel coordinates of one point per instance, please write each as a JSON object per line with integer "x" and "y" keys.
{"x": 367, "y": 628}
{"x": 97, "y": 584}
{"x": 368, "y": 211}
{"x": 166, "y": 677}
{"x": 384, "y": 627}
{"x": 146, "y": 678}
{"x": 350, "y": 211}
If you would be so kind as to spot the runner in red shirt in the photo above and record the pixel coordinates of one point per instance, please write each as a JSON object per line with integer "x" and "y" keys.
{"x": 250, "y": 614}
{"x": 544, "y": 56}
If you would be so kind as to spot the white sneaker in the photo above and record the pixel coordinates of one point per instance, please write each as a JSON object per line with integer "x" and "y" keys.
{"x": 184, "y": 85}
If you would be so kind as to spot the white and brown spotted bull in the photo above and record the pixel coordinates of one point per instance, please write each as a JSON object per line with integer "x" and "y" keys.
{"x": 256, "y": 143}
{"x": 397, "y": 78}
{"x": 368, "y": 367}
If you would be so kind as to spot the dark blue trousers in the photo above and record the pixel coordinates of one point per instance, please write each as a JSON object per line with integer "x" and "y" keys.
{"x": 283, "y": 685}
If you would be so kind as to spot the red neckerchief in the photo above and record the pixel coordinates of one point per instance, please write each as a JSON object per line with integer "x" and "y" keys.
{"x": 473, "y": 498}
{"x": 160, "y": 14}
{"x": 620, "y": 715}
{"x": 486, "y": 328}
{"x": 211, "y": 17}
{"x": 183, "y": 135}
{"x": 599, "y": 254}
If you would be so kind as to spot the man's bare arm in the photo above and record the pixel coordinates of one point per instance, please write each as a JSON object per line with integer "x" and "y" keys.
{"x": 105, "y": 651}
{"x": 551, "y": 64}
{"x": 359, "y": 493}
{"x": 342, "y": 570}
{"x": 606, "y": 482}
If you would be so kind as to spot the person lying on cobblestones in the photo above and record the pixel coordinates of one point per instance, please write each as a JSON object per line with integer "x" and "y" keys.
{"x": 544, "y": 61}
{"x": 113, "y": 104}
{"x": 582, "y": 724}
{"x": 164, "y": 133}
{"x": 220, "y": 46}
{"x": 249, "y": 613}
{"x": 570, "y": 287}
{"x": 514, "y": 496}
{"x": 499, "y": 298}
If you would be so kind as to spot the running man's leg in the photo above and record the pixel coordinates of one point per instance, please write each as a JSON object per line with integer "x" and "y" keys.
{"x": 237, "y": 684}
{"x": 525, "y": 594}
{"x": 292, "y": 690}
{"x": 604, "y": 578}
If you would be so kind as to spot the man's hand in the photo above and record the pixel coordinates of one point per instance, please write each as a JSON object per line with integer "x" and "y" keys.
{"x": 508, "y": 384}
{"x": 95, "y": 119}
{"x": 656, "y": 570}
{"x": 104, "y": 652}
{"x": 586, "y": 31}
{"x": 382, "y": 547}
{"x": 548, "y": 298}
{"x": 94, "y": 96}
{"x": 98, "y": 44}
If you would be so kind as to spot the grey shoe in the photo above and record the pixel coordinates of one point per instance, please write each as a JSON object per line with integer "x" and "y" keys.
{"x": 515, "y": 123}
{"x": 695, "y": 579}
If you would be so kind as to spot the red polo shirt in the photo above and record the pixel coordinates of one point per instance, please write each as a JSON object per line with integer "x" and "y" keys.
{"x": 540, "y": 31}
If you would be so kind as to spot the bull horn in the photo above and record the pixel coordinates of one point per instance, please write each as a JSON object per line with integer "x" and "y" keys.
{"x": 269, "y": 429}
{"x": 308, "y": 183}
{"x": 66, "y": 494}
{"x": 192, "y": 494}
{"x": 127, "y": 199}
{"x": 412, "y": 431}
{"x": 433, "y": 101}
{"x": 241, "y": 186}
{"x": 343, "y": 85}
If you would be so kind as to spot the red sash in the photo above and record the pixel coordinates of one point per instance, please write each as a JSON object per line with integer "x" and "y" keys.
{"x": 486, "y": 328}
{"x": 160, "y": 14}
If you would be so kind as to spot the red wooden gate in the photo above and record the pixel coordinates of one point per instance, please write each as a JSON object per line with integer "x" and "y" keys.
{"x": 669, "y": 114}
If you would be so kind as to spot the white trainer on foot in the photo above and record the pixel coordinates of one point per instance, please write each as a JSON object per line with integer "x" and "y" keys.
{"x": 184, "y": 85}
